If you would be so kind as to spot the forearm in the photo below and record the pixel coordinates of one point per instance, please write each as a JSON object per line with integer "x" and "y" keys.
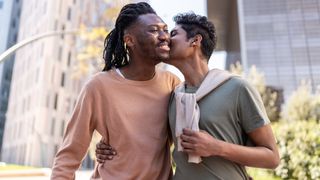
{"x": 258, "y": 156}
{"x": 68, "y": 160}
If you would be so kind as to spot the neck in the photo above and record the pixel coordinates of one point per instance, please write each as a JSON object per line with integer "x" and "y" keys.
{"x": 194, "y": 70}
{"x": 138, "y": 71}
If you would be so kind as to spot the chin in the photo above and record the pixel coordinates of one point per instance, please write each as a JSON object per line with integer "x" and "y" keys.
{"x": 163, "y": 57}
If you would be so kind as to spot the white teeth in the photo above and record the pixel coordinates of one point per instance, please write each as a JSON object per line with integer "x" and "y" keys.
{"x": 164, "y": 46}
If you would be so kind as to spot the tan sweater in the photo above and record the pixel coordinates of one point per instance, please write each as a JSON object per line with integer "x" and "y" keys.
{"x": 132, "y": 118}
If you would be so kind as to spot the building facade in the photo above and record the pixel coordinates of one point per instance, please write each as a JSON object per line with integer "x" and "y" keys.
{"x": 44, "y": 90}
{"x": 281, "y": 38}
{"x": 9, "y": 17}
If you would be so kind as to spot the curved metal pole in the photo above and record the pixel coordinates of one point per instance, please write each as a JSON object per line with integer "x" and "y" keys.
{"x": 32, "y": 39}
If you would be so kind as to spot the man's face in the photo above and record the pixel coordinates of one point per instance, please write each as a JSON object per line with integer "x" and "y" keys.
{"x": 180, "y": 45}
{"x": 152, "y": 37}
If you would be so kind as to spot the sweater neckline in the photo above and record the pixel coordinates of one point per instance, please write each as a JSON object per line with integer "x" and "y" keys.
{"x": 133, "y": 82}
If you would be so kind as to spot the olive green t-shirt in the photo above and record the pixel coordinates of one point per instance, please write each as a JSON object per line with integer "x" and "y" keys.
{"x": 228, "y": 113}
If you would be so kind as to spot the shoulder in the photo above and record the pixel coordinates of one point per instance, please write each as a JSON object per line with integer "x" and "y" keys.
{"x": 235, "y": 83}
{"x": 166, "y": 73}
{"x": 97, "y": 80}
{"x": 240, "y": 83}
{"x": 169, "y": 77}
{"x": 246, "y": 91}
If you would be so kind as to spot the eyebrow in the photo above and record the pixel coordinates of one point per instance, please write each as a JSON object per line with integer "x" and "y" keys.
{"x": 158, "y": 25}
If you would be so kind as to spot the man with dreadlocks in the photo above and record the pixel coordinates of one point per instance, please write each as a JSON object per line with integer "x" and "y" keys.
{"x": 126, "y": 103}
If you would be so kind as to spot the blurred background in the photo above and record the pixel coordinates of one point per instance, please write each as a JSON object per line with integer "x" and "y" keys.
{"x": 57, "y": 44}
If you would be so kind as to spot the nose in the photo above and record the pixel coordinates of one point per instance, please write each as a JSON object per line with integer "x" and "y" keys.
{"x": 164, "y": 36}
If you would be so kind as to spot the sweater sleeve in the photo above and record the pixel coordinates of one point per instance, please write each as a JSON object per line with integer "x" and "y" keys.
{"x": 77, "y": 137}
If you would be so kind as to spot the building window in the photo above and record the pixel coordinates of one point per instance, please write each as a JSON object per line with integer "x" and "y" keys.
{"x": 37, "y": 75}
{"x": 18, "y": 13}
{"x": 52, "y": 75}
{"x": 62, "y": 29}
{"x": 55, "y": 25}
{"x": 62, "y": 79}
{"x": 15, "y": 37}
{"x": 13, "y": 24}
{"x": 56, "y": 102}
{"x": 44, "y": 7}
{"x": 69, "y": 58}
{"x": 48, "y": 101}
{"x": 56, "y": 147}
{"x": 53, "y": 123}
{"x": 69, "y": 14}
{"x": 33, "y": 124}
{"x": 8, "y": 75}
{"x": 41, "y": 49}
{"x": 62, "y": 128}
{"x": 60, "y": 53}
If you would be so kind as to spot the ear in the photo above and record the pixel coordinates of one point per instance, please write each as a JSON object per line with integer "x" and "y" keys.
{"x": 196, "y": 40}
{"x": 128, "y": 40}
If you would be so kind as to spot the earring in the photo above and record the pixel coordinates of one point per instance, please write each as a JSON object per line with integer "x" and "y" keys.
{"x": 127, "y": 52}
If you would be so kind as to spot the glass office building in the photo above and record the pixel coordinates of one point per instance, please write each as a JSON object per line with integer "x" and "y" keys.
{"x": 280, "y": 37}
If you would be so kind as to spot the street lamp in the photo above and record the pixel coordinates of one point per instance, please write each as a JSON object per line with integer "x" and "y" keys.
{"x": 19, "y": 45}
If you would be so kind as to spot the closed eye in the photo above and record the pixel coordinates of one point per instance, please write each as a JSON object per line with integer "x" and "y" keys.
{"x": 173, "y": 33}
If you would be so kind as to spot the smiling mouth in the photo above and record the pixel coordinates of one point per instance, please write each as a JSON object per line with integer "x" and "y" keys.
{"x": 164, "y": 46}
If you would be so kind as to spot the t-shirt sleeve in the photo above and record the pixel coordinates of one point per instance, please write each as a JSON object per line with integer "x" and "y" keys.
{"x": 77, "y": 137}
{"x": 250, "y": 108}
{"x": 175, "y": 81}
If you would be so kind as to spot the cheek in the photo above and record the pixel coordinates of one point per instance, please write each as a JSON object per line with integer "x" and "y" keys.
{"x": 146, "y": 43}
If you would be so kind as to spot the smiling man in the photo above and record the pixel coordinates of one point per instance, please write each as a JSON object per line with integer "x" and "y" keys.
{"x": 213, "y": 115}
{"x": 126, "y": 103}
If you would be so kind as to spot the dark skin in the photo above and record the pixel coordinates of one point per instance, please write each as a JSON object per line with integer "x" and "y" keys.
{"x": 104, "y": 152}
{"x": 148, "y": 42}
{"x": 186, "y": 55}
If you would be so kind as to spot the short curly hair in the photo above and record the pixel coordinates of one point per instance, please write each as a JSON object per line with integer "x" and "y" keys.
{"x": 195, "y": 24}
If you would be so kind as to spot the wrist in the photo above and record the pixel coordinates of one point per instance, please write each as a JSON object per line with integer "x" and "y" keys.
{"x": 217, "y": 148}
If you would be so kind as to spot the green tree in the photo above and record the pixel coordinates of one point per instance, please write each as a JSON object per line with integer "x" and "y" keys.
{"x": 93, "y": 31}
{"x": 299, "y": 148}
{"x": 302, "y": 104}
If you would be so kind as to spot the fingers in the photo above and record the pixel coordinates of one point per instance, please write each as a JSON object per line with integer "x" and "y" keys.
{"x": 103, "y": 155}
{"x": 188, "y": 148}
{"x": 106, "y": 152}
{"x": 187, "y": 145}
{"x": 188, "y": 138}
{"x": 102, "y": 145}
{"x": 188, "y": 132}
{"x": 102, "y": 158}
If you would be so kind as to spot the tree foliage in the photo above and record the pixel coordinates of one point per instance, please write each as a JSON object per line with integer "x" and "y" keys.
{"x": 302, "y": 104}
{"x": 93, "y": 31}
{"x": 299, "y": 147}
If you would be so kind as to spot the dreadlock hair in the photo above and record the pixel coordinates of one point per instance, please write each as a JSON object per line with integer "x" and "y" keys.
{"x": 195, "y": 24}
{"x": 115, "y": 52}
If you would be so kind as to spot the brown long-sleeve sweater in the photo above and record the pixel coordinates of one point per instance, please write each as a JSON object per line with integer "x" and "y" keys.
{"x": 131, "y": 116}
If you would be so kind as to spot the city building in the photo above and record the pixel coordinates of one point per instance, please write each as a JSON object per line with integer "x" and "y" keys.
{"x": 9, "y": 18}
{"x": 281, "y": 38}
{"x": 44, "y": 90}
